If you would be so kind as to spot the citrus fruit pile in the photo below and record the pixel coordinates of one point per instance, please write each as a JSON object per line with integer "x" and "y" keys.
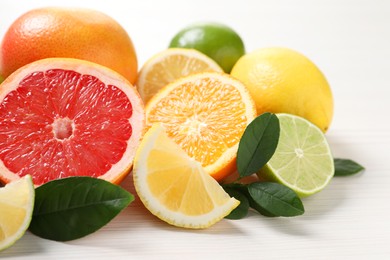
{"x": 206, "y": 113}
{"x": 192, "y": 113}
{"x": 68, "y": 108}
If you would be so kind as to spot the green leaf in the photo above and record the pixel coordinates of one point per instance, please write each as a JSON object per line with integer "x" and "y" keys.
{"x": 243, "y": 189}
{"x": 345, "y": 167}
{"x": 275, "y": 199}
{"x": 235, "y": 186}
{"x": 70, "y": 208}
{"x": 253, "y": 204}
{"x": 242, "y": 210}
{"x": 258, "y": 144}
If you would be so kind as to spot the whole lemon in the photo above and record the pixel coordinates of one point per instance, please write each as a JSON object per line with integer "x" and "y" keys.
{"x": 282, "y": 80}
{"x": 68, "y": 33}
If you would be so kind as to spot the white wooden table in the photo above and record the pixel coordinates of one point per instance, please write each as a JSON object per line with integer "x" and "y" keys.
{"x": 350, "y": 42}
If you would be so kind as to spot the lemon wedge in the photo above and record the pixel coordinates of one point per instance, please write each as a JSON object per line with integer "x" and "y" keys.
{"x": 16, "y": 208}
{"x": 174, "y": 187}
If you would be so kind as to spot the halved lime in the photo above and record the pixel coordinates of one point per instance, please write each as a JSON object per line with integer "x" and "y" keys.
{"x": 303, "y": 160}
{"x": 16, "y": 208}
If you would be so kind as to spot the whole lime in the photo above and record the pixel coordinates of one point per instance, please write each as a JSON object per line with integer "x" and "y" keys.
{"x": 218, "y": 41}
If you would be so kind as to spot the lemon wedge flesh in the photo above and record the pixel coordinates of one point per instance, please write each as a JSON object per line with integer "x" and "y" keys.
{"x": 170, "y": 65}
{"x": 174, "y": 187}
{"x": 16, "y": 208}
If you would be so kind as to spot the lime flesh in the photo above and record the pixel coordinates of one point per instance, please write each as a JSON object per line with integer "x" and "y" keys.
{"x": 302, "y": 160}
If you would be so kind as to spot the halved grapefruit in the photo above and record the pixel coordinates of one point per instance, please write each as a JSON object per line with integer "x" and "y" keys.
{"x": 67, "y": 117}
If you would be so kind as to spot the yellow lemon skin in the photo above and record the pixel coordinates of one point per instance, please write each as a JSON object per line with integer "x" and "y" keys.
{"x": 282, "y": 80}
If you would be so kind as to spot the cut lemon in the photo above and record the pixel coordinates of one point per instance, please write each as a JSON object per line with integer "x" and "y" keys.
{"x": 302, "y": 160}
{"x": 169, "y": 65}
{"x": 206, "y": 114}
{"x": 174, "y": 187}
{"x": 16, "y": 208}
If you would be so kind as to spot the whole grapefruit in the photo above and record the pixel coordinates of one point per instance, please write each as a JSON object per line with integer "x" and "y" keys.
{"x": 71, "y": 33}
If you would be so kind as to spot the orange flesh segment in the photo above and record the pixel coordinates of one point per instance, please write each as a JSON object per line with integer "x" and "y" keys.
{"x": 203, "y": 124}
{"x": 60, "y": 123}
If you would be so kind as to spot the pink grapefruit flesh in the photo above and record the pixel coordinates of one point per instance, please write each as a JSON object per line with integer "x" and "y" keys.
{"x": 66, "y": 117}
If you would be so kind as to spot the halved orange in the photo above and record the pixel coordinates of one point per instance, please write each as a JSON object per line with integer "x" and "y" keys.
{"x": 206, "y": 114}
{"x": 169, "y": 65}
{"x": 66, "y": 117}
